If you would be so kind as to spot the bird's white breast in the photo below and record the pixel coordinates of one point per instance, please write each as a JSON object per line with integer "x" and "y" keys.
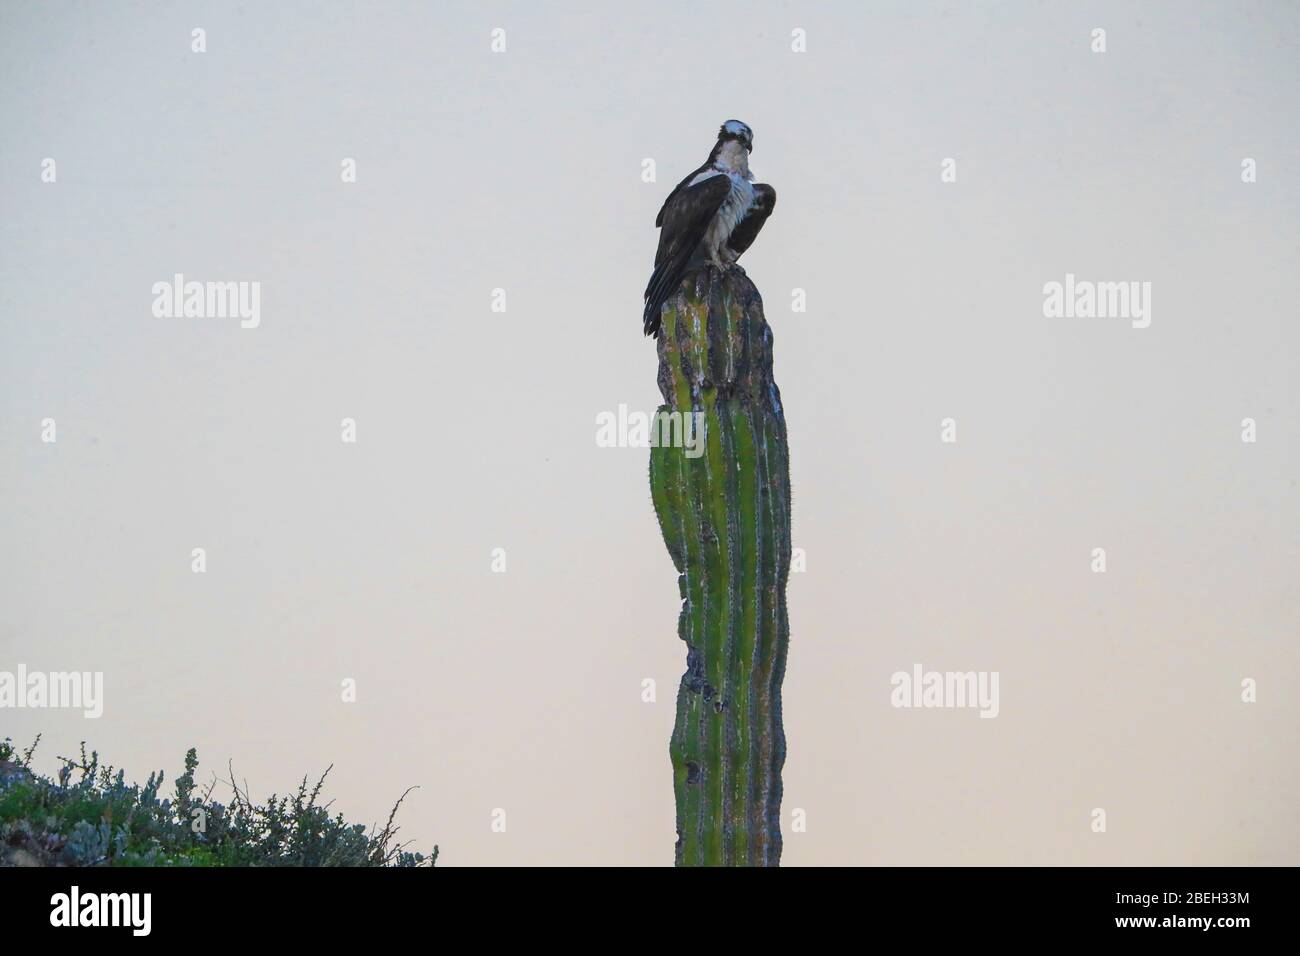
{"x": 733, "y": 209}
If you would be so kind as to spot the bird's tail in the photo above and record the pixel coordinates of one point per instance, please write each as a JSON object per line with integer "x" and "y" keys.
{"x": 663, "y": 283}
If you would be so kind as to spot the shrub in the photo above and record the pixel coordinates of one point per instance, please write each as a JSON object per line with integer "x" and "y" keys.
{"x": 90, "y": 816}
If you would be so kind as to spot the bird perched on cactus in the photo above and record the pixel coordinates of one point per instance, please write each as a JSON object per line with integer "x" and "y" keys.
{"x": 724, "y": 513}
{"x": 712, "y": 217}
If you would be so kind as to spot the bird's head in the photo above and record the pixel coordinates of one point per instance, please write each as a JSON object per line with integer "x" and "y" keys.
{"x": 735, "y": 130}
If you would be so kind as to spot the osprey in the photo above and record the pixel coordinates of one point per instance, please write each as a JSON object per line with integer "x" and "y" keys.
{"x": 711, "y": 218}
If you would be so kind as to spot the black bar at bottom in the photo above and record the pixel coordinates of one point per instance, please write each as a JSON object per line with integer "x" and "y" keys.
{"x": 331, "y": 906}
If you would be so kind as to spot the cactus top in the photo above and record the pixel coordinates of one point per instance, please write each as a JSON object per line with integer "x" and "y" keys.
{"x": 715, "y": 337}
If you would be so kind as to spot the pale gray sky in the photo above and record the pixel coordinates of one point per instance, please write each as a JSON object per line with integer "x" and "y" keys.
{"x": 476, "y": 430}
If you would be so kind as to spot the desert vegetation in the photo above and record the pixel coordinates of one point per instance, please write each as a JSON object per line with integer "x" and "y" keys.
{"x": 88, "y": 815}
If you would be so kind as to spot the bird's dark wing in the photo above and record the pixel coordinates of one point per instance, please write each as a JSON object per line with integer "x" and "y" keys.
{"x": 683, "y": 221}
{"x": 659, "y": 219}
{"x": 686, "y": 215}
{"x": 746, "y": 231}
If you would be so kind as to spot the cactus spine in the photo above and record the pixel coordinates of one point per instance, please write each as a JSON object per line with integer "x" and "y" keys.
{"x": 725, "y": 517}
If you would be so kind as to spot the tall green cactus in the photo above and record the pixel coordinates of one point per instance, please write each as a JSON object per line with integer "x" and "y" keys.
{"x": 725, "y": 517}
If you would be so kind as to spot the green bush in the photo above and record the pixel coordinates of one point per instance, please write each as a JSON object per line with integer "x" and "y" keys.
{"x": 90, "y": 816}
